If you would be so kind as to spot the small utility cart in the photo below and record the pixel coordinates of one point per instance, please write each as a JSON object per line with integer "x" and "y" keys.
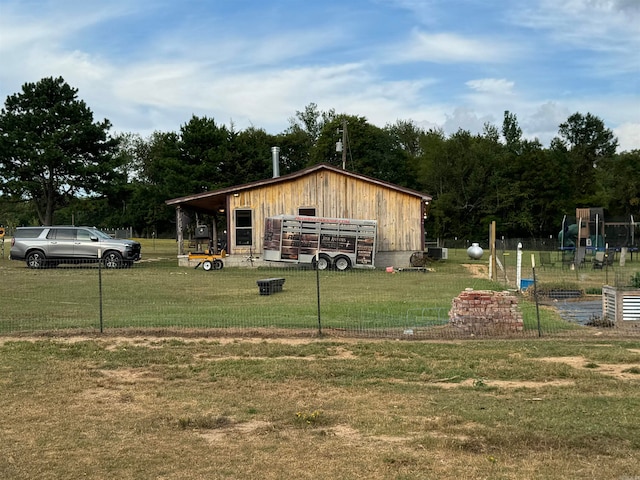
{"x": 208, "y": 260}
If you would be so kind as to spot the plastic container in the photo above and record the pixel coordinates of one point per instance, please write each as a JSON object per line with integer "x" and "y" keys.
{"x": 525, "y": 283}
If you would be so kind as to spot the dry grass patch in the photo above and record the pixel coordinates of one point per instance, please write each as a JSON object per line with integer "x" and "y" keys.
{"x": 146, "y": 407}
{"x": 508, "y": 384}
{"x": 622, "y": 371}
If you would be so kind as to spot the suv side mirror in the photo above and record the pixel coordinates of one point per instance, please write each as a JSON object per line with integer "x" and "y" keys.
{"x": 93, "y": 238}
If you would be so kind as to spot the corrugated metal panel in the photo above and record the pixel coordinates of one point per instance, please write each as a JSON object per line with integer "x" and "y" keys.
{"x": 609, "y": 305}
{"x": 631, "y": 307}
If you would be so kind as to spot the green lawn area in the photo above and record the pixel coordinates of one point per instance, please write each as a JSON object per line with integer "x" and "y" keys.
{"x": 157, "y": 293}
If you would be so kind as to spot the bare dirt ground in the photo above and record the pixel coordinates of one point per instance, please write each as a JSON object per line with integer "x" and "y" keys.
{"x": 618, "y": 370}
{"x": 477, "y": 271}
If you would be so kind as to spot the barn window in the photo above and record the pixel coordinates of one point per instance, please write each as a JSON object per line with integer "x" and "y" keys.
{"x": 307, "y": 211}
{"x": 244, "y": 227}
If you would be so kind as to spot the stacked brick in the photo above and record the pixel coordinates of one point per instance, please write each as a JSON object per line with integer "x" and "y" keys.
{"x": 483, "y": 312}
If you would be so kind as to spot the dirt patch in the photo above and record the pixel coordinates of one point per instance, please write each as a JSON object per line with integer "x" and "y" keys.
{"x": 336, "y": 353}
{"x": 129, "y": 376}
{"x": 114, "y": 342}
{"x": 477, "y": 271}
{"x": 344, "y": 431}
{"x": 223, "y": 358}
{"x": 616, "y": 370}
{"x": 342, "y": 353}
{"x": 471, "y": 382}
{"x": 246, "y": 428}
{"x": 256, "y": 427}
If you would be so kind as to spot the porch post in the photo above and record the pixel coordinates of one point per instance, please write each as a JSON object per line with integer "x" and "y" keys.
{"x": 179, "y": 236}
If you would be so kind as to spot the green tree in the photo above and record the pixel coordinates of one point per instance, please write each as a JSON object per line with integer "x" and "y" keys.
{"x": 511, "y": 132}
{"x": 294, "y": 150}
{"x": 621, "y": 184}
{"x": 585, "y": 143}
{"x": 311, "y": 122}
{"x": 405, "y": 136}
{"x": 458, "y": 173}
{"x": 51, "y": 150}
{"x": 369, "y": 150}
{"x": 161, "y": 177}
{"x": 251, "y": 157}
{"x": 299, "y": 141}
{"x": 529, "y": 201}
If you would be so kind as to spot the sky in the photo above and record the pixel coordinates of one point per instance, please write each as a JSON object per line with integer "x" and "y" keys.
{"x": 150, "y": 65}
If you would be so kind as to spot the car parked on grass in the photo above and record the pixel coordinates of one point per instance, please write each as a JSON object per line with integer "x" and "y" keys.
{"x": 50, "y": 246}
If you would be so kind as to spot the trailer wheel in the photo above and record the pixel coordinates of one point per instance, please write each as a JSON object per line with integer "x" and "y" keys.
{"x": 323, "y": 263}
{"x": 207, "y": 265}
{"x": 217, "y": 264}
{"x": 342, "y": 263}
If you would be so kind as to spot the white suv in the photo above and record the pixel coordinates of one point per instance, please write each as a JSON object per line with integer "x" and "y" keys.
{"x": 50, "y": 246}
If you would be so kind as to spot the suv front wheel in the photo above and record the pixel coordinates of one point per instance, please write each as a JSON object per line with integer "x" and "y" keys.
{"x": 112, "y": 260}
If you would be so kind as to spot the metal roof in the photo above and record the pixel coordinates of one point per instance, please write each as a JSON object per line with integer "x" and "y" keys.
{"x": 213, "y": 200}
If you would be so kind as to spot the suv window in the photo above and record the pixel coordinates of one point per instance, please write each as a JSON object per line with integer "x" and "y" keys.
{"x": 62, "y": 234}
{"x": 28, "y": 232}
{"x": 85, "y": 235}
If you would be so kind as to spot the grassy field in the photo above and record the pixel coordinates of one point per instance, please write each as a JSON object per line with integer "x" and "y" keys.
{"x": 156, "y": 293}
{"x": 163, "y": 393}
{"x": 178, "y": 408}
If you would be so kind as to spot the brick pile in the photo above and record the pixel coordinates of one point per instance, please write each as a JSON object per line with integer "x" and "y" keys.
{"x": 483, "y": 312}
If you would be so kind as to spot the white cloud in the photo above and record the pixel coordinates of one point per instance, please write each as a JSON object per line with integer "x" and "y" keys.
{"x": 628, "y": 136}
{"x": 599, "y": 24}
{"x": 466, "y": 119}
{"x": 162, "y": 62}
{"x": 452, "y": 48}
{"x": 543, "y": 122}
{"x": 499, "y": 86}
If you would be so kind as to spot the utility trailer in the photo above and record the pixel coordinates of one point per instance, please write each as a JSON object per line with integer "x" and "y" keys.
{"x": 339, "y": 243}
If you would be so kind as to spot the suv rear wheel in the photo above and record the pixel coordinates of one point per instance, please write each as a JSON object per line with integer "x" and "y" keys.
{"x": 36, "y": 259}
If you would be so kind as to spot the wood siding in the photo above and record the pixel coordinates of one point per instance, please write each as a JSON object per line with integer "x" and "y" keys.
{"x": 399, "y": 214}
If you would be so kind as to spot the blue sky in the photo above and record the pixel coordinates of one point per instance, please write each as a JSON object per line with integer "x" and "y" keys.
{"x": 450, "y": 64}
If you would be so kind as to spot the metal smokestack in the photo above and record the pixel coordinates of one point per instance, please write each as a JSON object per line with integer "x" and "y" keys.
{"x": 275, "y": 157}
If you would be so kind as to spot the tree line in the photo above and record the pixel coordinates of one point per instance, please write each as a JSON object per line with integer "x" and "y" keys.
{"x": 60, "y": 166}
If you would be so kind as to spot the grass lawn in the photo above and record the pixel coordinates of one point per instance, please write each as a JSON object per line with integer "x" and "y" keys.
{"x": 180, "y": 408}
{"x": 156, "y": 293}
{"x": 158, "y": 395}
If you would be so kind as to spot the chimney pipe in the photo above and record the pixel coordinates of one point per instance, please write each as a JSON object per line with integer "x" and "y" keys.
{"x": 275, "y": 157}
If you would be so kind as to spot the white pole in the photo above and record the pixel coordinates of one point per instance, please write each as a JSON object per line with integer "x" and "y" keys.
{"x": 519, "y": 266}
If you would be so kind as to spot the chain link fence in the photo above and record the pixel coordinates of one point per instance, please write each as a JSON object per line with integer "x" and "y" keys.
{"x": 156, "y": 294}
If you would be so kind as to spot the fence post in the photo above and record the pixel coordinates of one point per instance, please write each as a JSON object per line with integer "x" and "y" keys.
{"x": 535, "y": 292}
{"x": 318, "y": 291}
{"x": 100, "y": 286}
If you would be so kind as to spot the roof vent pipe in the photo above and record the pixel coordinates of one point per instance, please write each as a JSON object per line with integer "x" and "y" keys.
{"x": 275, "y": 157}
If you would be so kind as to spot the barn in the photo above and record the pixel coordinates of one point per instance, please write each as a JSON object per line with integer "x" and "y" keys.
{"x": 321, "y": 190}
